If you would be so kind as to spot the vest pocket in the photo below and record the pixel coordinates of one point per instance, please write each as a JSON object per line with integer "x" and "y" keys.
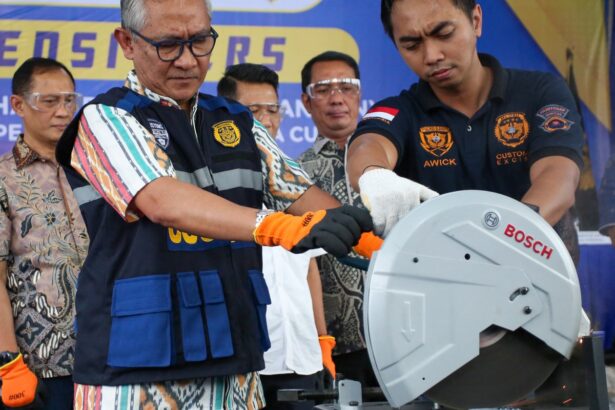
{"x": 191, "y": 319}
{"x": 141, "y": 322}
{"x": 261, "y": 295}
{"x": 218, "y": 327}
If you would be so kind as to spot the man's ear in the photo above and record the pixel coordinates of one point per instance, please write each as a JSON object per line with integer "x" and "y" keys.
{"x": 17, "y": 104}
{"x": 477, "y": 20}
{"x": 307, "y": 102}
{"x": 126, "y": 41}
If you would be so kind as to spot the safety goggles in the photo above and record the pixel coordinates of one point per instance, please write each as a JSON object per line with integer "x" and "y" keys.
{"x": 47, "y": 102}
{"x": 259, "y": 110}
{"x": 348, "y": 87}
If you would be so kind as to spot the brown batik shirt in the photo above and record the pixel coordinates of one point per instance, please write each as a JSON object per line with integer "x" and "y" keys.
{"x": 44, "y": 242}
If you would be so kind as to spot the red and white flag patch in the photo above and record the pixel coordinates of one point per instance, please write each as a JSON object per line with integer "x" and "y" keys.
{"x": 386, "y": 114}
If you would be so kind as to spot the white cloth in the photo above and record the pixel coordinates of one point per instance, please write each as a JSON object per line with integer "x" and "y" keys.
{"x": 390, "y": 197}
{"x": 290, "y": 317}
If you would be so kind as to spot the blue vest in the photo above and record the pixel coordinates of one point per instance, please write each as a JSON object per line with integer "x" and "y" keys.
{"x": 155, "y": 303}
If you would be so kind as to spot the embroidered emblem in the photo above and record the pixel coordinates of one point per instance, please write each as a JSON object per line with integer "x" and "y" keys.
{"x": 512, "y": 129}
{"x": 227, "y": 133}
{"x": 160, "y": 133}
{"x": 437, "y": 140}
{"x": 554, "y": 117}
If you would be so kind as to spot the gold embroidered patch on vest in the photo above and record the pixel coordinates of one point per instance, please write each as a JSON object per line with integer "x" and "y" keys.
{"x": 227, "y": 133}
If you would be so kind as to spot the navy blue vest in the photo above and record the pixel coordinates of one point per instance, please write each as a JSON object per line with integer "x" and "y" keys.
{"x": 155, "y": 303}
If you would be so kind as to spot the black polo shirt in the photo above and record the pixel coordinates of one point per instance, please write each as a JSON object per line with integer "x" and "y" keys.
{"x": 528, "y": 115}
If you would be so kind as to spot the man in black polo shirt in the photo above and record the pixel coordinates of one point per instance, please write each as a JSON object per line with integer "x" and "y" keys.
{"x": 467, "y": 124}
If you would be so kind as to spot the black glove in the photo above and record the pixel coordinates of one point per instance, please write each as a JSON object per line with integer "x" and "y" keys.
{"x": 337, "y": 232}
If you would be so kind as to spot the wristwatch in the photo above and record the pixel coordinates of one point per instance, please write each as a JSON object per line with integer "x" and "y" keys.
{"x": 7, "y": 357}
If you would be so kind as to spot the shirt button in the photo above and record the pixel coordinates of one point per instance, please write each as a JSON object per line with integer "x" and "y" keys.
{"x": 469, "y": 128}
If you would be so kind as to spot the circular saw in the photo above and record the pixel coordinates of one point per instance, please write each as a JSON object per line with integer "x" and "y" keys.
{"x": 472, "y": 301}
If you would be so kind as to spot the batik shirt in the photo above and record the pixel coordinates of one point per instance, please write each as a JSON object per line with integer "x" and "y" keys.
{"x": 342, "y": 285}
{"x": 44, "y": 242}
{"x": 284, "y": 182}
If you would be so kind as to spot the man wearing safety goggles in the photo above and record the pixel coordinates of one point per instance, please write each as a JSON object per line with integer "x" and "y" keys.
{"x": 332, "y": 94}
{"x": 300, "y": 345}
{"x": 43, "y": 243}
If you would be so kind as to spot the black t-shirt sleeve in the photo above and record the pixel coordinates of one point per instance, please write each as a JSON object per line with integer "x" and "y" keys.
{"x": 556, "y": 127}
{"x": 389, "y": 119}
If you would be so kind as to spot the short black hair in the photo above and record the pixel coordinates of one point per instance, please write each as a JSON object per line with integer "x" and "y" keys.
{"x": 248, "y": 73}
{"x": 467, "y": 6}
{"x": 306, "y": 72}
{"x": 22, "y": 79}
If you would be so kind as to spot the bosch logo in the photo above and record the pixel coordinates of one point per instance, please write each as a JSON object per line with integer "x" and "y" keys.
{"x": 528, "y": 241}
{"x": 491, "y": 219}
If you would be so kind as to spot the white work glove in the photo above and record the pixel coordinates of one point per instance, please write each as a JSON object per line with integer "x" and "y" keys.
{"x": 390, "y": 197}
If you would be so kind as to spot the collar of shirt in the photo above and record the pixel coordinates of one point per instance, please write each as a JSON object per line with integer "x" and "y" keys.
{"x": 321, "y": 142}
{"x": 429, "y": 100}
{"x": 132, "y": 82}
{"x": 23, "y": 154}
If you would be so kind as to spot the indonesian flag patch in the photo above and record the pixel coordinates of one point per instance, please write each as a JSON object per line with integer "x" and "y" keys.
{"x": 386, "y": 114}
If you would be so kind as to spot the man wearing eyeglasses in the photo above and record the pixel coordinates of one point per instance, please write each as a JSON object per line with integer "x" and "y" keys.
{"x": 171, "y": 308}
{"x": 299, "y": 341}
{"x": 332, "y": 94}
{"x": 256, "y": 87}
{"x": 43, "y": 243}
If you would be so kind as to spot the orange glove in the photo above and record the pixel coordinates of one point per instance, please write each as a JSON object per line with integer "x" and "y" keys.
{"x": 327, "y": 343}
{"x": 368, "y": 244}
{"x": 335, "y": 230}
{"x": 19, "y": 385}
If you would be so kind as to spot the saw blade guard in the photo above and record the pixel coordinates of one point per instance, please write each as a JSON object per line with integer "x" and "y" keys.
{"x": 455, "y": 266}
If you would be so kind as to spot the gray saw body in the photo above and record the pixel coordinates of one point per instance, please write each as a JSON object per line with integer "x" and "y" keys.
{"x": 465, "y": 276}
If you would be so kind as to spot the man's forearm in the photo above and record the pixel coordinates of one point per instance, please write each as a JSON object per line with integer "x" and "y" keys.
{"x": 554, "y": 181}
{"x": 611, "y": 233}
{"x": 313, "y": 199}
{"x": 315, "y": 287}
{"x": 188, "y": 208}
{"x": 369, "y": 151}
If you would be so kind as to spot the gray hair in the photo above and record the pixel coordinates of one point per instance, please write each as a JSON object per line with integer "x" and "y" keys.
{"x": 133, "y": 13}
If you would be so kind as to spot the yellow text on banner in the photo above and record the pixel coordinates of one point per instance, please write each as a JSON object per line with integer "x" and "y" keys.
{"x": 89, "y": 50}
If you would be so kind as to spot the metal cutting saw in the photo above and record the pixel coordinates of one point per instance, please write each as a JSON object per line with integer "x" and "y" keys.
{"x": 472, "y": 302}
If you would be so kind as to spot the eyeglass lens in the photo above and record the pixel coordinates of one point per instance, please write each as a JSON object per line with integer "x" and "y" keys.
{"x": 260, "y": 110}
{"x": 325, "y": 90}
{"x": 50, "y": 102}
{"x": 200, "y": 46}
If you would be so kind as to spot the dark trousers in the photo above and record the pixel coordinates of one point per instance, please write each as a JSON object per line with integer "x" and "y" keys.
{"x": 271, "y": 385}
{"x": 356, "y": 366}
{"x": 58, "y": 393}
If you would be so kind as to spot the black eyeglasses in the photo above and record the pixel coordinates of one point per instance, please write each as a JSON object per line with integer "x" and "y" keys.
{"x": 200, "y": 45}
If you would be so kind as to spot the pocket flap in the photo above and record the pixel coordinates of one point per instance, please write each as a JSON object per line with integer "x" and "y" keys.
{"x": 188, "y": 289}
{"x": 145, "y": 294}
{"x": 212, "y": 287}
{"x": 261, "y": 291}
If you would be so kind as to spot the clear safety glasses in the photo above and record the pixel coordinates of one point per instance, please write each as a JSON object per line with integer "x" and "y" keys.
{"x": 348, "y": 87}
{"x": 52, "y": 101}
{"x": 259, "y": 110}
